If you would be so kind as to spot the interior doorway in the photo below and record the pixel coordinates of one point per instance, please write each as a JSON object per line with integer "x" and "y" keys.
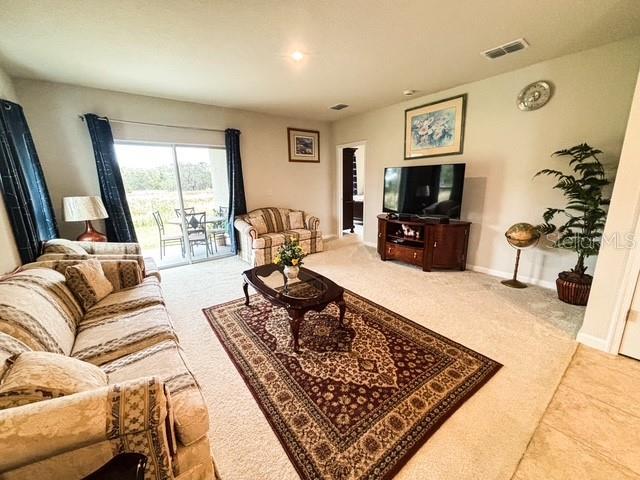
{"x": 351, "y": 181}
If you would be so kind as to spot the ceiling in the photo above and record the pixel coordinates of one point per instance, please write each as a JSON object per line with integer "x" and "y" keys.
{"x": 235, "y": 52}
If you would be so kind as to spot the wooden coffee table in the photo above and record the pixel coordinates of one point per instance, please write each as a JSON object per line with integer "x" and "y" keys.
{"x": 310, "y": 291}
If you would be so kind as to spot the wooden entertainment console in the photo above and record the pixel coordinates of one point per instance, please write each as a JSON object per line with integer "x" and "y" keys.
{"x": 427, "y": 245}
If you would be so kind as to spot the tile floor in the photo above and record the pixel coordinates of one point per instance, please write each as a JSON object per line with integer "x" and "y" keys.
{"x": 591, "y": 428}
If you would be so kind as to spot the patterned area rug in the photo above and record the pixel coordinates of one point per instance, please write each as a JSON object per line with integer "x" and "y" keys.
{"x": 357, "y": 401}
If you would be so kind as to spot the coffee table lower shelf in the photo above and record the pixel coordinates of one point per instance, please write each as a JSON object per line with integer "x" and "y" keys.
{"x": 296, "y": 308}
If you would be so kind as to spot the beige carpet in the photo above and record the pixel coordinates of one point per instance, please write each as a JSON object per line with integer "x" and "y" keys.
{"x": 529, "y": 332}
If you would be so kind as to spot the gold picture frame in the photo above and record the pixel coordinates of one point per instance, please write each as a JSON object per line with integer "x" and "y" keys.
{"x": 304, "y": 145}
{"x": 435, "y": 129}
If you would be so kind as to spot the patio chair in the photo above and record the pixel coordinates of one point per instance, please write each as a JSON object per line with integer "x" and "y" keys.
{"x": 197, "y": 231}
{"x": 187, "y": 210}
{"x": 167, "y": 239}
{"x": 220, "y": 228}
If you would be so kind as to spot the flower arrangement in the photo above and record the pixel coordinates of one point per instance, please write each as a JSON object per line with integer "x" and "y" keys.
{"x": 290, "y": 254}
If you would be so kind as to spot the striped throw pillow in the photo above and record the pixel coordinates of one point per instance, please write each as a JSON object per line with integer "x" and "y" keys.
{"x": 88, "y": 282}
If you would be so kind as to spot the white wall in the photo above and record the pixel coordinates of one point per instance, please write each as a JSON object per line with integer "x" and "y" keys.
{"x": 9, "y": 258}
{"x": 66, "y": 154}
{"x": 615, "y": 278}
{"x": 505, "y": 147}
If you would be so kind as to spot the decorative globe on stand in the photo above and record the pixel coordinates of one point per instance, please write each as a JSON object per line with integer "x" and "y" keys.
{"x": 520, "y": 236}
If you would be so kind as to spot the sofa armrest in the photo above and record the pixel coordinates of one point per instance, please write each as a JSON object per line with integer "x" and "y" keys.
{"x": 245, "y": 228}
{"x": 311, "y": 222}
{"x": 121, "y": 273}
{"x": 131, "y": 414}
{"x": 113, "y": 248}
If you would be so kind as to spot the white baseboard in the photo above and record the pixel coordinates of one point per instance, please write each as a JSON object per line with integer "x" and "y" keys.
{"x": 593, "y": 342}
{"x": 491, "y": 271}
{"x": 331, "y": 236}
{"x": 502, "y": 274}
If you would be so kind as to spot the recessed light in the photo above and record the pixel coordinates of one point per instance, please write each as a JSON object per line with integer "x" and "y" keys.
{"x": 297, "y": 56}
{"x": 409, "y": 93}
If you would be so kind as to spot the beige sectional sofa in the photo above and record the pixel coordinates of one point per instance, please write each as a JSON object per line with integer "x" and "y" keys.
{"x": 152, "y": 403}
{"x": 263, "y": 231}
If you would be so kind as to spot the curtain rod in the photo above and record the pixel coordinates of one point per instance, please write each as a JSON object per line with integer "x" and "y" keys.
{"x": 133, "y": 122}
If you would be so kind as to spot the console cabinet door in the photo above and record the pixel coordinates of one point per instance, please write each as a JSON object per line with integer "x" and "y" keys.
{"x": 449, "y": 246}
{"x": 382, "y": 234}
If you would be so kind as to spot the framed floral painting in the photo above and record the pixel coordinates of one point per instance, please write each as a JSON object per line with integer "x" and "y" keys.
{"x": 304, "y": 145}
{"x": 435, "y": 129}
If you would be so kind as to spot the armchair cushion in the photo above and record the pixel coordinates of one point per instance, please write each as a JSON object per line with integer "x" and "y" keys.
{"x": 88, "y": 282}
{"x": 35, "y": 376}
{"x": 259, "y": 224}
{"x": 269, "y": 240}
{"x": 303, "y": 236}
{"x": 296, "y": 220}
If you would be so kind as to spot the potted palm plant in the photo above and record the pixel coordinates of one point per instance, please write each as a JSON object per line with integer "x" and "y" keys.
{"x": 583, "y": 217}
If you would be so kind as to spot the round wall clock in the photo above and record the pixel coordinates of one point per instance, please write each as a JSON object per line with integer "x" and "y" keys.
{"x": 534, "y": 96}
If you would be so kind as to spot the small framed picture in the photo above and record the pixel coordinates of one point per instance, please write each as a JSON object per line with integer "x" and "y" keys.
{"x": 304, "y": 145}
{"x": 435, "y": 129}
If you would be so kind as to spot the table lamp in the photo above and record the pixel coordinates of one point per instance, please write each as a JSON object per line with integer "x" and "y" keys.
{"x": 85, "y": 209}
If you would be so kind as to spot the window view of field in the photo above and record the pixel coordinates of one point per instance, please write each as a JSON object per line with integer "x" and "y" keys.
{"x": 150, "y": 177}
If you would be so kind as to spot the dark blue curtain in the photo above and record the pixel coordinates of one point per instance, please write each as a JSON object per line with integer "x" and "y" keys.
{"x": 23, "y": 185}
{"x": 237, "y": 201}
{"x": 119, "y": 224}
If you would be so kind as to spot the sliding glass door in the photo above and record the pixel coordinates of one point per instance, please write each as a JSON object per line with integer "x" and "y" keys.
{"x": 205, "y": 199}
{"x": 178, "y": 196}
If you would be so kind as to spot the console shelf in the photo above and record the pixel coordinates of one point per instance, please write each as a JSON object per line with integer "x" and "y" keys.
{"x": 427, "y": 245}
{"x": 404, "y": 240}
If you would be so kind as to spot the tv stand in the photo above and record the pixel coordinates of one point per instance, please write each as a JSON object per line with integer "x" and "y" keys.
{"x": 424, "y": 243}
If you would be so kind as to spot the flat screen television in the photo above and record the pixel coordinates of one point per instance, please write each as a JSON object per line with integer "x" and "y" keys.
{"x": 424, "y": 191}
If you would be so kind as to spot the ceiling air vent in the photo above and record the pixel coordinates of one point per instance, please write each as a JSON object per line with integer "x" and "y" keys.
{"x": 339, "y": 106}
{"x": 511, "y": 47}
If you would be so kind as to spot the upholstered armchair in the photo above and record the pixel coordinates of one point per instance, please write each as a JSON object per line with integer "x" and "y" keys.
{"x": 263, "y": 231}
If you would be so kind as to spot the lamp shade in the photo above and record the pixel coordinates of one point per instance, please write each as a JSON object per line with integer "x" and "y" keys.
{"x": 80, "y": 209}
